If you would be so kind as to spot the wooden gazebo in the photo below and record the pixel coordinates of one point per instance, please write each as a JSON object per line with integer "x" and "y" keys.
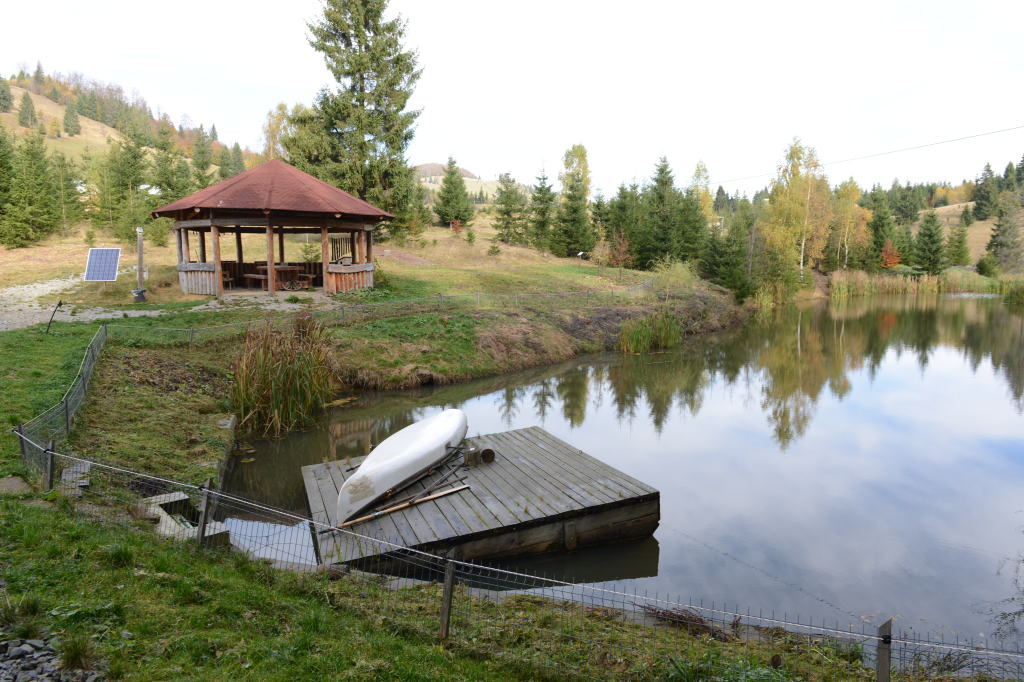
{"x": 276, "y": 199}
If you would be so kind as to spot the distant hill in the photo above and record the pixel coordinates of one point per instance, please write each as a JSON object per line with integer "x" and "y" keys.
{"x": 436, "y": 170}
{"x": 93, "y": 137}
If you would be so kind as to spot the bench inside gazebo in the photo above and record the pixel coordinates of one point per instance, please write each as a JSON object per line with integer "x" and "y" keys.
{"x": 273, "y": 199}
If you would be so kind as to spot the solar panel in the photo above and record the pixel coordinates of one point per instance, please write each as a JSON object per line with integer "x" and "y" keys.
{"x": 102, "y": 265}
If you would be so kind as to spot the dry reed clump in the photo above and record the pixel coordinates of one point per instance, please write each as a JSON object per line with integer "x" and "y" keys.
{"x": 849, "y": 283}
{"x": 520, "y": 344}
{"x": 283, "y": 376}
{"x": 659, "y": 331}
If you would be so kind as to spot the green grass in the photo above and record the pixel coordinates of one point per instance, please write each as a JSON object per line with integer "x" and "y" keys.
{"x": 660, "y": 331}
{"x": 206, "y": 615}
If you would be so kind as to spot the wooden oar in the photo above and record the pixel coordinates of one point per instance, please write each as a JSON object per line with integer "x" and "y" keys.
{"x": 399, "y": 507}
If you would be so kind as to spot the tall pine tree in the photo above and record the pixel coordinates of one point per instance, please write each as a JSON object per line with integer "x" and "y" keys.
{"x": 67, "y": 180}
{"x": 957, "y": 252}
{"x": 6, "y": 167}
{"x": 356, "y": 135}
{"x": 31, "y": 211}
{"x": 1005, "y": 244}
{"x": 573, "y": 233}
{"x": 662, "y": 204}
{"x": 929, "y": 248}
{"x": 882, "y": 228}
{"x": 202, "y": 159}
{"x": 27, "y": 112}
{"x": 986, "y": 194}
{"x": 6, "y": 98}
{"x": 542, "y": 212}
{"x": 510, "y": 209}
{"x": 453, "y": 201}
{"x": 72, "y": 126}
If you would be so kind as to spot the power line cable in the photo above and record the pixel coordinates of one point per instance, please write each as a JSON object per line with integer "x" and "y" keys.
{"x": 885, "y": 153}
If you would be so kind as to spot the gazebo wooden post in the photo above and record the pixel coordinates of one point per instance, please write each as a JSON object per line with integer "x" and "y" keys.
{"x": 238, "y": 248}
{"x": 218, "y": 274}
{"x": 177, "y": 236}
{"x": 202, "y": 246}
{"x": 369, "y": 246}
{"x": 271, "y": 279}
{"x": 280, "y": 245}
{"x": 325, "y": 257}
{"x": 188, "y": 249}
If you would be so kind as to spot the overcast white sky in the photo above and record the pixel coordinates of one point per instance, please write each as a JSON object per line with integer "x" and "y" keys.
{"x": 509, "y": 86}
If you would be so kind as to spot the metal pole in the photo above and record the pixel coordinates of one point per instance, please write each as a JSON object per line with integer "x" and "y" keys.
{"x": 204, "y": 507}
{"x": 883, "y": 655}
{"x": 316, "y": 544}
{"x": 140, "y": 292}
{"x": 24, "y": 445}
{"x": 50, "y": 474}
{"x": 446, "y": 600}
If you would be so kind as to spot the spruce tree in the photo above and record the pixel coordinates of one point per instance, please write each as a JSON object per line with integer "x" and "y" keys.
{"x": 882, "y": 229}
{"x": 67, "y": 180}
{"x": 1005, "y": 244}
{"x": 6, "y": 167}
{"x": 510, "y": 207}
{"x": 985, "y": 195}
{"x": 542, "y": 212}
{"x": 903, "y": 240}
{"x": 27, "y": 112}
{"x": 966, "y": 216}
{"x": 599, "y": 215}
{"x": 38, "y": 77}
{"x": 1020, "y": 169}
{"x": 171, "y": 175}
{"x": 1010, "y": 178}
{"x": 202, "y": 158}
{"x": 626, "y": 220}
{"x": 237, "y": 161}
{"x": 225, "y": 167}
{"x": 31, "y": 211}
{"x": 929, "y": 248}
{"x": 6, "y": 98}
{"x": 692, "y": 227}
{"x": 213, "y": 133}
{"x": 453, "y": 201}
{"x": 662, "y": 218}
{"x": 72, "y": 126}
{"x": 573, "y": 232}
{"x": 356, "y": 135}
{"x": 957, "y": 252}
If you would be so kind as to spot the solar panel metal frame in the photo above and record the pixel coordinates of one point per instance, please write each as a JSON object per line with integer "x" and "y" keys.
{"x": 99, "y": 262}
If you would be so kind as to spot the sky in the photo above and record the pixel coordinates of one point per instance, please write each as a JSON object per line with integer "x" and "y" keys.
{"x": 509, "y": 87}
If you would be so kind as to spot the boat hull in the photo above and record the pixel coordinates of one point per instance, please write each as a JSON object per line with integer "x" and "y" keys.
{"x": 399, "y": 459}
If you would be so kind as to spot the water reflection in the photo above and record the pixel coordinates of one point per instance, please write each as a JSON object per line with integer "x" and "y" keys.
{"x": 842, "y": 462}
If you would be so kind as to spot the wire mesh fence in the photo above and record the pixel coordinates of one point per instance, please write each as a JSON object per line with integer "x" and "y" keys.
{"x": 569, "y": 629}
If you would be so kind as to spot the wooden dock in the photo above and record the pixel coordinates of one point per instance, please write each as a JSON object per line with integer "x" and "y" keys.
{"x": 539, "y": 495}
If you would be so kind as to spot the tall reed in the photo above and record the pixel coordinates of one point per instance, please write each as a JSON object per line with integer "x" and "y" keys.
{"x": 848, "y": 283}
{"x": 1013, "y": 291}
{"x": 283, "y": 376}
{"x": 656, "y": 332}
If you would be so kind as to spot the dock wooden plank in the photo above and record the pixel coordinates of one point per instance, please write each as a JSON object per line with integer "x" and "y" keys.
{"x": 609, "y": 476}
{"x": 575, "y": 484}
{"x": 545, "y": 491}
{"x": 536, "y": 482}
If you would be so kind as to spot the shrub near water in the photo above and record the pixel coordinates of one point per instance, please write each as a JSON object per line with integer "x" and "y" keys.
{"x": 657, "y": 332}
{"x": 282, "y": 376}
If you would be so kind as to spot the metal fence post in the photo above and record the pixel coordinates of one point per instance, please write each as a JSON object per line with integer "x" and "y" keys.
{"x": 21, "y": 441}
{"x": 316, "y": 543}
{"x": 883, "y": 653}
{"x": 50, "y": 466}
{"x": 446, "y": 600}
{"x": 204, "y": 510}
{"x": 67, "y": 416}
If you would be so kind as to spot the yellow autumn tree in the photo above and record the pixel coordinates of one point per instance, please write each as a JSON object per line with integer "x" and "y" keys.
{"x": 702, "y": 190}
{"x": 849, "y": 222}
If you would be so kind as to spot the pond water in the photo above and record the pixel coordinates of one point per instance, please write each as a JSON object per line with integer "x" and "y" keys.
{"x": 849, "y": 462}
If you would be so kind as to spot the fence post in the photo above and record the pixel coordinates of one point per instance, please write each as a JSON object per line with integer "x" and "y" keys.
{"x": 440, "y": 301}
{"x": 191, "y": 334}
{"x": 67, "y": 416}
{"x": 446, "y": 600}
{"x": 50, "y": 473}
{"x": 316, "y": 543}
{"x": 204, "y": 508}
{"x": 883, "y": 653}
{"x": 478, "y": 299}
{"x": 21, "y": 442}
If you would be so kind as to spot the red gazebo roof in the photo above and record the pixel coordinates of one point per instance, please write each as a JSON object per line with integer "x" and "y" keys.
{"x": 275, "y": 186}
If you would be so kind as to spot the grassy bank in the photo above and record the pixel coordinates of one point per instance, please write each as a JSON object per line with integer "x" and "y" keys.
{"x": 144, "y": 608}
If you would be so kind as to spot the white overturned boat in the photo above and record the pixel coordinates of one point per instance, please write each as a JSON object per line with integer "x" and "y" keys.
{"x": 400, "y": 459}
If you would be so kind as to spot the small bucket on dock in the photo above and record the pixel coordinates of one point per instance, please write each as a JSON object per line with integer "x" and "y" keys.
{"x": 474, "y": 456}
